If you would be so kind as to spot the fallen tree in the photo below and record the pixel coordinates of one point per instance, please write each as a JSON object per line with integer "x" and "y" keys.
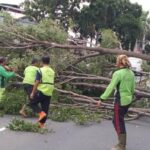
{"x": 84, "y": 101}
{"x": 100, "y": 50}
{"x": 26, "y": 41}
{"x": 29, "y": 40}
{"x": 139, "y": 93}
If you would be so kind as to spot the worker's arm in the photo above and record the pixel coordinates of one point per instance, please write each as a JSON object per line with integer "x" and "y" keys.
{"x": 7, "y": 74}
{"x": 35, "y": 86}
{"x": 115, "y": 80}
{"x": 133, "y": 87}
{"x": 34, "y": 89}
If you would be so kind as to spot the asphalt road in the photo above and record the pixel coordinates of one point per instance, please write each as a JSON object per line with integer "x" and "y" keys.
{"x": 69, "y": 136}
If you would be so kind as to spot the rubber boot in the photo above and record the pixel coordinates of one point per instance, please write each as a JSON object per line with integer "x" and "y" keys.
{"x": 121, "y": 143}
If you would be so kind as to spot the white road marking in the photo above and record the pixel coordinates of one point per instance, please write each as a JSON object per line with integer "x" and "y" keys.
{"x": 2, "y": 129}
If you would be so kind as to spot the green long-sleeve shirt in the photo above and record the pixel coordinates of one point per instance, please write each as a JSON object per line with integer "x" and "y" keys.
{"x": 4, "y": 76}
{"x": 123, "y": 81}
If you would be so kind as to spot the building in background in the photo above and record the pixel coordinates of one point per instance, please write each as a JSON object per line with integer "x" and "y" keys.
{"x": 16, "y": 12}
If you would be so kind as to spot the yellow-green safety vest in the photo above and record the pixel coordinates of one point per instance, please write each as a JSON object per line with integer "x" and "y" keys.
{"x": 30, "y": 75}
{"x": 46, "y": 85}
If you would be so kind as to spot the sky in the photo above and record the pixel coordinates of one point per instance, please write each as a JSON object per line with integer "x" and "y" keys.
{"x": 11, "y": 1}
{"x": 144, "y": 3}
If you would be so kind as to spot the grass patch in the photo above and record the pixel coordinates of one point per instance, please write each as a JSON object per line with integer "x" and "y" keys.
{"x": 79, "y": 116}
{"x": 14, "y": 98}
{"x": 22, "y": 125}
{"x": 12, "y": 101}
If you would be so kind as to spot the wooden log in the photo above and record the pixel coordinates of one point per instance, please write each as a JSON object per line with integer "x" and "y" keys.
{"x": 77, "y": 76}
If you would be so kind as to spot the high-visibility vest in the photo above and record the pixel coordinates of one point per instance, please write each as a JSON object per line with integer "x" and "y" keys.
{"x": 30, "y": 75}
{"x": 123, "y": 81}
{"x": 46, "y": 85}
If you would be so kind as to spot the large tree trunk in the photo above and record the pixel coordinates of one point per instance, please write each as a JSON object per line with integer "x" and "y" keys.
{"x": 103, "y": 51}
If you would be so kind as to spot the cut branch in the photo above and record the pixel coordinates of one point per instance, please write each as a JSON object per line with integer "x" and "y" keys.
{"x": 140, "y": 94}
{"x": 90, "y": 102}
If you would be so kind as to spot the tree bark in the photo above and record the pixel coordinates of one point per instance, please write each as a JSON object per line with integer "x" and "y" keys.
{"x": 103, "y": 51}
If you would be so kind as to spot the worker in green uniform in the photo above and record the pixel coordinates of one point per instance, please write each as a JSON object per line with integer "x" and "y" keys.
{"x": 123, "y": 81}
{"x": 42, "y": 90}
{"x": 4, "y": 76}
{"x": 29, "y": 80}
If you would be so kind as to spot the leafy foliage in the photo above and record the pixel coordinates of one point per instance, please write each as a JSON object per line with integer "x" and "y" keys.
{"x": 109, "y": 39}
{"x": 97, "y": 65}
{"x": 22, "y": 125}
{"x": 80, "y": 116}
{"x": 122, "y": 20}
{"x": 145, "y": 23}
{"x": 147, "y": 49}
{"x": 128, "y": 28}
{"x": 146, "y": 66}
{"x": 12, "y": 101}
{"x": 7, "y": 19}
{"x": 147, "y": 36}
{"x": 45, "y": 30}
{"x": 118, "y": 15}
{"x": 62, "y": 10}
{"x": 127, "y": 19}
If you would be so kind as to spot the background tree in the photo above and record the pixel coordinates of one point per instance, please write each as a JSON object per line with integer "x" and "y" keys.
{"x": 62, "y": 10}
{"x": 109, "y": 39}
{"x": 120, "y": 15}
{"x": 145, "y": 32}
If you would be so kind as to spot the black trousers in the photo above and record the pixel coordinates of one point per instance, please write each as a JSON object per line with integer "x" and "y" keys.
{"x": 40, "y": 103}
{"x": 118, "y": 119}
{"x": 28, "y": 89}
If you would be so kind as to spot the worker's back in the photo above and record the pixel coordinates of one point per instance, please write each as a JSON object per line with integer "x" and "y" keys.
{"x": 125, "y": 86}
{"x": 30, "y": 75}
